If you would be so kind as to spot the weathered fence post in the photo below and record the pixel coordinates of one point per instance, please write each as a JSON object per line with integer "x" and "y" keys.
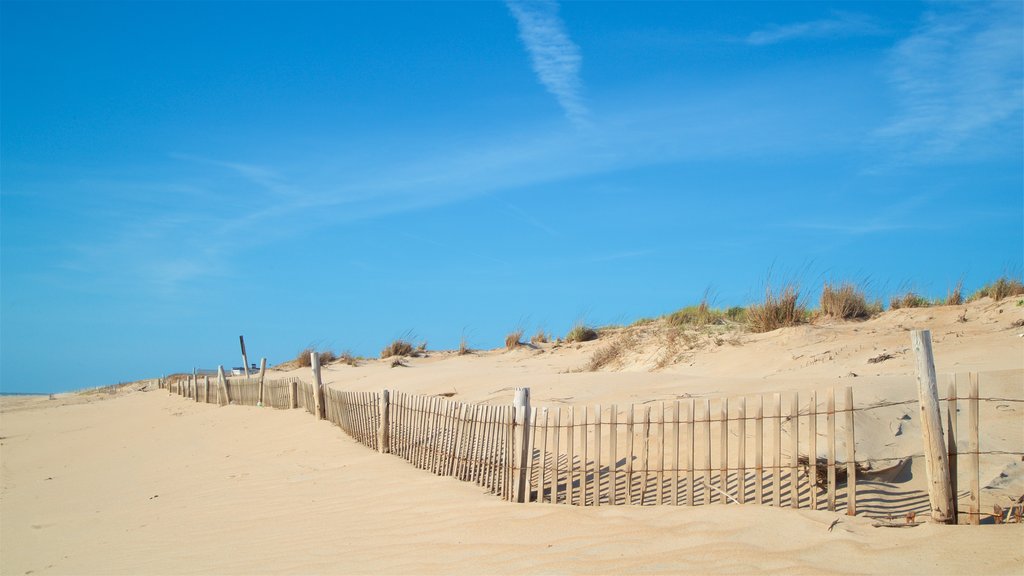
{"x": 222, "y": 385}
{"x": 522, "y": 400}
{"x": 263, "y": 374}
{"x": 206, "y": 394}
{"x": 940, "y": 491}
{"x": 318, "y": 389}
{"x": 293, "y": 401}
{"x": 383, "y": 434}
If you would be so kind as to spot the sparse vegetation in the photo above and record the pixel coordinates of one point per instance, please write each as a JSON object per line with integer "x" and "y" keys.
{"x": 581, "y": 333}
{"x": 539, "y": 338}
{"x": 908, "y": 300}
{"x": 464, "y": 347}
{"x": 846, "y": 301}
{"x": 955, "y": 297}
{"x": 609, "y": 353}
{"x": 514, "y": 339}
{"x": 1002, "y": 288}
{"x": 348, "y": 358}
{"x": 398, "y": 347}
{"x": 777, "y": 311}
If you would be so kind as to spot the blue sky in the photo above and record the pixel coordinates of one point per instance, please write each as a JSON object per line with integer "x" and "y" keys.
{"x": 342, "y": 174}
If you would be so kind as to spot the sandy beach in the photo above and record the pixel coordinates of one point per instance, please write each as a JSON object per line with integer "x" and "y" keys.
{"x": 143, "y": 482}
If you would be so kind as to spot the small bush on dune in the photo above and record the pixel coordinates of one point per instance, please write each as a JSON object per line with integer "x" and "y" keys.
{"x": 397, "y": 348}
{"x": 581, "y": 333}
{"x": 846, "y": 301}
{"x": 348, "y": 358}
{"x": 539, "y": 338}
{"x": 326, "y": 357}
{"x": 464, "y": 347}
{"x": 514, "y": 339}
{"x": 1001, "y": 288}
{"x": 776, "y": 311}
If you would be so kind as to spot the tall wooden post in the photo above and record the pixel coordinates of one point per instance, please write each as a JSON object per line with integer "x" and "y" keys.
{"x": 245, "y": 358}
{"x": 293, "y": 389}
{"x": 206, "y": 394}
{"x": 263, "y": 374}
{"x": 940, "y": 492}
{"x": 318, "y": 387}
{"x": 522, "y": 400}
{"x": 384, "y": 434}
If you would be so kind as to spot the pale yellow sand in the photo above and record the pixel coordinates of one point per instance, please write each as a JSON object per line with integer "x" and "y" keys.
{"x": 148, "y": 483}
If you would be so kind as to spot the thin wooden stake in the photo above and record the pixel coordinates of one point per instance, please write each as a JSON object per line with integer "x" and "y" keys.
{"x": 647, "y": 452}
{"x": 777, "y": 450}
{"x": 660, "y": 473}
{"x": 555, "y": 473}
{"x": 570, "y": 480}
{"x": 584, "y": 458}
{"x": 691, "y": 456}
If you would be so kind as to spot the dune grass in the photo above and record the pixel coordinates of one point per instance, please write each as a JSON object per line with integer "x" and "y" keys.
{"x": 846, "y": 301}
{"x": 909, "y": 299}
{"x": 303, "y": 360}
{"x": 1003, "y": 287}
{"x": 580, "y": 332}
{"x": 513, "y": 339}
{"x": 398, "y": 347}
{"x": 777, "y": 310}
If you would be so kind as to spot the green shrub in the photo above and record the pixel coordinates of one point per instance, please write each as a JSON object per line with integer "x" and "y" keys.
{"x": 581, "y": 333}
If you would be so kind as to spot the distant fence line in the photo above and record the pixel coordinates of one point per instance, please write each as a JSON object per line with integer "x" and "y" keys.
{"x": 685, "y": 452}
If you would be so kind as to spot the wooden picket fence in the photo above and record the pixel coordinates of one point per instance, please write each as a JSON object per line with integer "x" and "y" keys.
{"x": 754, "y": 449}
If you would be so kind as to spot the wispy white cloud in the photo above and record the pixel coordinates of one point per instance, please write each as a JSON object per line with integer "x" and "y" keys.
{"x": 956, "y": 77}
{"x": 556, "y": 59}
{"x": 842, "y": 24}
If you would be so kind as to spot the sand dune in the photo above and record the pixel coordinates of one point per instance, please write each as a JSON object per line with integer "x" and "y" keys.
{"x": 143, "y": 482}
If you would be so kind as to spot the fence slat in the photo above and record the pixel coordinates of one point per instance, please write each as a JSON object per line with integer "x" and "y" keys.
{"x": 660, "y": 473}
{"x": 597, "y": 455}
{"x": 556, "y": 473}
{"x": 794, "y": 464}
{"x": 691, "y": 458}
{"x": 812, "y": 448}
{"x": 831, "y": 446}
{"x": 759, "y": 451}
{"x": 851, "y": 457}
{"x": 723, "y": 436}
{"x": 675, "y": 453}
{"x": 629, "y": 455}
{"x": 707, "y": 451}
{"x": 584, "y": 457}
{"x": 741, "y": 452}
{"x": 972, "y": 449}
{"x": 570, "y": 480}
{"x": 613, "y": 456}
{"x": 951, "y": 436}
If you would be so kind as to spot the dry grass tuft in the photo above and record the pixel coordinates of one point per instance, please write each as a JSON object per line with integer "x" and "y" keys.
{"x": 514, "y": 339}
{"x": 777, "y": 311}
{"x": 846, "y": 301}
{"x": 581, "y": 333}
{"x": 908, "y": 300}
{"x": 539, "y": 338}
{"x": 464, "y": 347}
{"x": 397, "y": 348}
